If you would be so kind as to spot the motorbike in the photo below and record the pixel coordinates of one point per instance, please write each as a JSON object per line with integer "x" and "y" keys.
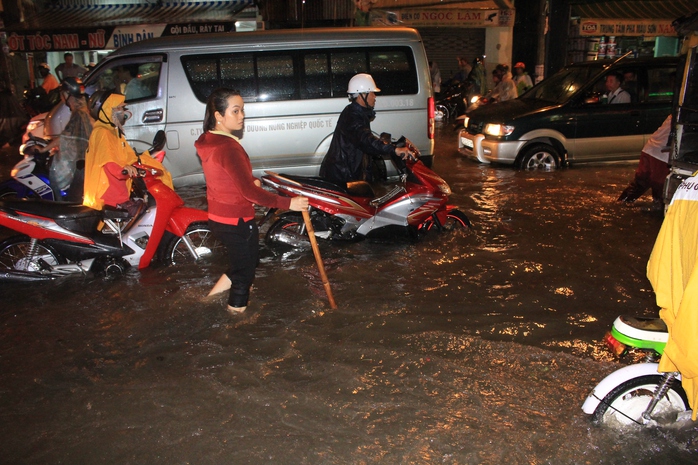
{"x": 58, "y": 239}
{"x": 449, "y": 103}
{"x": 36, "y": 100}
{"x": 410, "y": 208}
{"x": 30, "y": 176}
{"x": 638, "y": 393}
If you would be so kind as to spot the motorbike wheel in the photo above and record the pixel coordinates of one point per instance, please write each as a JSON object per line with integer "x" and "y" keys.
{"x": 7, "y": 193}
{"x": 174, "y": 251}
{"x": 14, "y": 255}
{"x": 455, "y": 219}
{"x": 625, "y": 404}
{"x": 289, "y": 230}
{"x": 540, "y": 157}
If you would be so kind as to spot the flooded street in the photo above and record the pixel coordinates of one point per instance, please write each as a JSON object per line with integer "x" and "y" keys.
{"x": 472, "y": 347}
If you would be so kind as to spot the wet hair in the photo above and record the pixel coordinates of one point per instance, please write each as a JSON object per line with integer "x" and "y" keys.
{"x": 217, "y": 102}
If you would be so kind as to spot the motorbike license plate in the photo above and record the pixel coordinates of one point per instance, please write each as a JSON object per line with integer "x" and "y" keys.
{"x": 466, "y": 142}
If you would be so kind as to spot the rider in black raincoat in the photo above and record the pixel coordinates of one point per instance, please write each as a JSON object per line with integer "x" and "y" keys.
{"x": 353, "y": 144}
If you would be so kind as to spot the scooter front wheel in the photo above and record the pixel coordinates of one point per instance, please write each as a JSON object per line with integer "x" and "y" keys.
{"x": 198, "y": 242}
{"x": 625, "y": 404}
{"x": 455, "y": 219}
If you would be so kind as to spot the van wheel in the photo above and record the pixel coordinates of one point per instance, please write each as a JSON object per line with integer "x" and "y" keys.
{"x": 540, "y": 157}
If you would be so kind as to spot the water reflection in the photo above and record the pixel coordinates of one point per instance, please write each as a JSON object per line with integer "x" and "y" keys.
{"x": 474, "y": 347}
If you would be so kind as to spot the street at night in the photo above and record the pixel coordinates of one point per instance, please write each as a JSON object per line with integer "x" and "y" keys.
{"x": 468, "y": 347}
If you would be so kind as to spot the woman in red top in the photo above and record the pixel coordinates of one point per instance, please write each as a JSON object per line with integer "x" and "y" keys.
{"x": 232, "y": 192}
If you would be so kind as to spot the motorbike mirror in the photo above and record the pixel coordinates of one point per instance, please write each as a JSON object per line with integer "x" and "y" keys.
{"x": 159, "y": 141}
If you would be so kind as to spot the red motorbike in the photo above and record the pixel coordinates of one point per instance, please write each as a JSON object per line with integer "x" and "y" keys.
{"x": 59, "y": 239}
{"x": 409, "y": 208}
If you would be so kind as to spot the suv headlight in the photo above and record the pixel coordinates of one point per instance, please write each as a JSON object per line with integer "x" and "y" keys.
{"x": 498, "y": 130}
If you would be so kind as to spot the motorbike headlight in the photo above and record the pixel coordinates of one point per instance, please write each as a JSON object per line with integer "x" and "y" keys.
{"x": 466, "y": 121}
{"x": 498, "y": 130}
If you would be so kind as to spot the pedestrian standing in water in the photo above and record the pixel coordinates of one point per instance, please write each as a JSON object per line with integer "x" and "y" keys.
{"x": 232, "y": 192}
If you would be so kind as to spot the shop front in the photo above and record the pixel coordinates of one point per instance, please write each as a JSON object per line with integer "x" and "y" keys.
{"x": 610, "y": 29}
{"x": 92, "y": 29}
{"x": 452, "y": 29}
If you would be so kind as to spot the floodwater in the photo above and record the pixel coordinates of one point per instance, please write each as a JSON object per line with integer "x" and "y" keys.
{"x": 474, "y": 347}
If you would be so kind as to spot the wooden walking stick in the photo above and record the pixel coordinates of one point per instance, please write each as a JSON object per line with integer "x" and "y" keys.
{"x": 318, "y": 258}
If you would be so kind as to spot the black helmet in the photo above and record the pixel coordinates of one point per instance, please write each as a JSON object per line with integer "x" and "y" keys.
{"x": 96, "y": 101}
{"x": 73, "y": 86}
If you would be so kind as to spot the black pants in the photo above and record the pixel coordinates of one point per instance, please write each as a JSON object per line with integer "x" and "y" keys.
{"x": 242, "y": 243}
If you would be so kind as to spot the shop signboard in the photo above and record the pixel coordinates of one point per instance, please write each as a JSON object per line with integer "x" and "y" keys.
{"x": 104, "y": 38}
{"x": 626, "y": 27}
{"x": 444, "y": 17}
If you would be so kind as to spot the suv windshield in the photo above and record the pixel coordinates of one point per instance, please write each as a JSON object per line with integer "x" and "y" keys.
{"x": 560, "y": 86}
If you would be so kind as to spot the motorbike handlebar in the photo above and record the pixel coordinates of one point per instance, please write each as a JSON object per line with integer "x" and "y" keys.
{"x": 140, "y": 172}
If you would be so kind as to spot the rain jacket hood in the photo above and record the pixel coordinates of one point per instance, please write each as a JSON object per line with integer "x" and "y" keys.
{"x": 673, "y": 271}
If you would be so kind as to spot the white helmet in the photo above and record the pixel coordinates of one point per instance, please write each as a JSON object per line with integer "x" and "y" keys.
{"x": 361, "y": 84}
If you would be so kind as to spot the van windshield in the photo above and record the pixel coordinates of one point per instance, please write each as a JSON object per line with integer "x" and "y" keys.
{"x": 559, "y": 87}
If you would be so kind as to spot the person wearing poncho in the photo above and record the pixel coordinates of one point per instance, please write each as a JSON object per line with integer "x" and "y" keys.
{"x": 109, "y": 153}
{"x": 673, "y": 271}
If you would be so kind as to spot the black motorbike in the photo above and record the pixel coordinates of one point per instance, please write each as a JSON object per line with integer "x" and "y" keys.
{"x": 36, "y": 100}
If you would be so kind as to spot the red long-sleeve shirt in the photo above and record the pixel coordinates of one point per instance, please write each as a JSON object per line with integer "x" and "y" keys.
{"x": 230, "y": 188}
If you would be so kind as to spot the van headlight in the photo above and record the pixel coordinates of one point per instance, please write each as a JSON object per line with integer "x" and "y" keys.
{"x": 498, "y": 130}
{"x": 465, "y": 122}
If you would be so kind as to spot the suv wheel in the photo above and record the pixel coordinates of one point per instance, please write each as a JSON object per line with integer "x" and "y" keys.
{"x": 540, "y": 157}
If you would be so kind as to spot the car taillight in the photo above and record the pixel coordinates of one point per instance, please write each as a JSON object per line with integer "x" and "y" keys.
{"x": 430, "y": 115}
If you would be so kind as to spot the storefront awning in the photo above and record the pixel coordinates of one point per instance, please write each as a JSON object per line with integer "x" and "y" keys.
{"x": 634, "y": 9}
{"x": 107, "y": 27}
{"x": 55, "y": 17}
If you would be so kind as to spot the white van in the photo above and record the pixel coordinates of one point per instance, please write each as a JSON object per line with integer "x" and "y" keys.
{"x": 293, "y": 82}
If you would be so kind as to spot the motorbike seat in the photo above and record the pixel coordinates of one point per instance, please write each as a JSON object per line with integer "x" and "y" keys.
{"x": 72, "y": 216}
{"x": 653, "y": 329}
{"x": 360, "y": 189}
{"x": 315, "y": 181}
{"x": 47, "y": 209}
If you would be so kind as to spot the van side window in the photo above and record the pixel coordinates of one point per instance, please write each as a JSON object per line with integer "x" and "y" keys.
{"x": 392, "y": 69}
{"x": 344, "y": 66}
{"x": 275, "y": 78}
{"x": 304, "y": 74}
{"x": 660, "y": 84}
{"x": 237, "y": 72}
{"x": 135, "y": 80}
{"x": 316, "y": 76}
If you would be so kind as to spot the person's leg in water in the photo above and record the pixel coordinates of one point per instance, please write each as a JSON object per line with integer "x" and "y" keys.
{"x": 640, "y": 183}
{"x": 241, "y": 242}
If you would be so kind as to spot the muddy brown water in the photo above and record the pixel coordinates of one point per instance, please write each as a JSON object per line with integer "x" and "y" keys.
{"x": 475, "y": 347}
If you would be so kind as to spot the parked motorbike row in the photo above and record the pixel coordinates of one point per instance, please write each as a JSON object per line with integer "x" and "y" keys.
{"x": 58, "y": 239}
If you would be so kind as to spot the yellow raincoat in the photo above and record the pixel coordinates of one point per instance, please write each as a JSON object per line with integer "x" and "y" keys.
{"x": 673, "y": 271}
{"x": 105, "y": 146}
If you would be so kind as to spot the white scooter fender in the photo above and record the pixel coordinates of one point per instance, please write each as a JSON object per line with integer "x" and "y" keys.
{"x": 615, "y": 379}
